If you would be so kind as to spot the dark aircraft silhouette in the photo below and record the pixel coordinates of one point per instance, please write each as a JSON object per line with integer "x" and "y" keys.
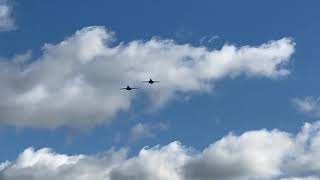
{"x": 151, "y": 81}
{"x": 128, "y": 88}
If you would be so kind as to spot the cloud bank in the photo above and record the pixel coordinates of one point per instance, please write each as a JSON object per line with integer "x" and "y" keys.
{"x": 76, "y": 82}
{"x": 6, "y": 19}
{"x": 259, "y": 154}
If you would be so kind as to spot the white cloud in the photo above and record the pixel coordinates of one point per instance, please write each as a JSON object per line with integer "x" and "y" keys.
{"x": 253, "y": 154}
{"x": 6, "y": 19}
{"x": 303, "y": 178}
{"x": 47, "y": 165}
{"x": 309, "y": 105}
{"x": 76, "y": 82}
{"x": 259, "y": 154}
{"x": 158, "y": 163}
{"x": 146, "y": 130}
{"x": 304, "y": 158}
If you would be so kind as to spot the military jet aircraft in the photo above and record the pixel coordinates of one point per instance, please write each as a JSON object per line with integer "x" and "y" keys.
{"x": 151, "y": 81}
{"x": 128, "y": 88}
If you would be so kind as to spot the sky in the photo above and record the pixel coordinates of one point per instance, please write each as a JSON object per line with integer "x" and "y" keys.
{"x": 238, "y": 96}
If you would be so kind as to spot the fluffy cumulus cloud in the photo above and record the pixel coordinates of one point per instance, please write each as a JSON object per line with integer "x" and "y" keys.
{"x": 302, "y": 178}
{"x": 253, "y": 154}
{"x": 76, "y": 82}
{"x": 259, "y": 154}
{"x": 308, "y": 105}
{"x": 6, "y": 19}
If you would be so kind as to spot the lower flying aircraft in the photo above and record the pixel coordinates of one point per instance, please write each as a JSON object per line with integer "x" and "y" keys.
{"x": 128, "y": 88}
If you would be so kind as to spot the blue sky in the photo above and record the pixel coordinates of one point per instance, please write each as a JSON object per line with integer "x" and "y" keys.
{"x": 196, "y": 118}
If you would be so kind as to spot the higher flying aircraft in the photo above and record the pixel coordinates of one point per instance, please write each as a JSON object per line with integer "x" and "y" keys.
{"x": 151, "y": 81}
